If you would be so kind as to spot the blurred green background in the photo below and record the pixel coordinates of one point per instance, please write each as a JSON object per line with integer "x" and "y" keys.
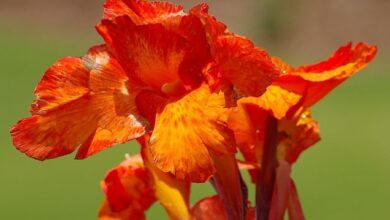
{"x": 345, "y": 176}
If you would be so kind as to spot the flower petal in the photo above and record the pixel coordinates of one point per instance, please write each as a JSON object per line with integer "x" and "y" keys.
{"x": 172, "y": 193}
{"x": 141, "y": 12}
{"x": 213, "y": 27}
{"x": 210, "y": 208}
{"x": 248, "y": 68}
{"x": 114, "y": 100}
{"x": 102, "y": 116}
{"x": 65, "y": 81}
{"x": 148, "y": 103}
{"x": 315, "y": 81}
{"x": 129, "y": 190}
{"x": 297, "y": 135}
{"x": 191, "y": 28}
{"x": 184, "y": 132}
{"x": 148, "y": 52}
{"x": 276, "y": 99}
{"x": 247, "y": 122}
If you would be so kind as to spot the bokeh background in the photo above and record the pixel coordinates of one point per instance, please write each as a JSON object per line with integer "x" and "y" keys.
{"x": 345, "y": 176}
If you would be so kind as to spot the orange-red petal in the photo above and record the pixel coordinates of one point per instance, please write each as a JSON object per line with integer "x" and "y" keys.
{"x": 141, "y": 12}
{"x": 148, "y": 103}
{"x": 210, "y": 208}
{"x": 212, "y": 26}
{"x": 247, "y": 122}
{"x": 248, "y": 68}
{"x": 129, "y": 190}
{"x": 315, "y": 81}
{"x": 297, "y": 135}
{"x": 65, "y": 81}
{"x": 63, "y": 119}
{"x": 113, "y": 99}
{"x": 186, "y": 129}
{"x": 171, "y": 17}
{"x": 150, "y": 52}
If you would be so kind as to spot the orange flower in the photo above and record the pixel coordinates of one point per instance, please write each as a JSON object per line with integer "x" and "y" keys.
{"x": 289, "y": 98}
{"x": 288, "y": 101}
{"x": 134, "y": 185}
{"x": 129, "y": 191}
{"x": 189, "y": 91}
{"x": 152, "y": 74}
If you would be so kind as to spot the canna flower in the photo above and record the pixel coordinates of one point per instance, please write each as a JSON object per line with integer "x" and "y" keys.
{"x": 191, "y": 93}
{"x": 281, "y": 118}
{"x": 133, "y": 186}
{"x": 289, "y": 100}
{"x": 160, "y": 71}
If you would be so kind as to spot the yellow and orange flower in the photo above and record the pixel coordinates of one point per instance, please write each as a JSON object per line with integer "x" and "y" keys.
{"x": 190, "y": 92}
{"x": 132, "y": 187}
{"x": 289, "y": 98}
{"x": 288, "y": 101}
{"x": 152, "y": 74}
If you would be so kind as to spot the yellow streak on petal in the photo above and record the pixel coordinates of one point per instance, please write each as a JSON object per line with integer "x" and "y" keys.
{"x": 275, "y": 99}
{"x": 172, "y": 193}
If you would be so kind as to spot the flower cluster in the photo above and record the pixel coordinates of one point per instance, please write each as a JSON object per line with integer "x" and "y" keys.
{"x": 192, "y": 94}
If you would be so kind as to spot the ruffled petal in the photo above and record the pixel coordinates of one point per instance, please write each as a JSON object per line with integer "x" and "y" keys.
{"x": 172, "y": 18}
{"x": 184, "y": 132}
{"x": 79, "y": 102}
{"x": 315, "y": 81}
{"x": 148, "y": 52}
{"x": 248, "y": 68}
{"x": 212, "y": 26}
{"x": 129, "y": 190}
{"x": 113, "y": 99}
{"x": 191, "y": 28}
{"x": 297, "y": 135}
{"x": 65, "y": 81}
{"x": 141, "y": 12}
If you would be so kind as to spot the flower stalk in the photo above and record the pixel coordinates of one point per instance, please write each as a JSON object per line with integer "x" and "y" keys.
{"x": 267, "y": 174}
{"x": 228, "y": 183}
